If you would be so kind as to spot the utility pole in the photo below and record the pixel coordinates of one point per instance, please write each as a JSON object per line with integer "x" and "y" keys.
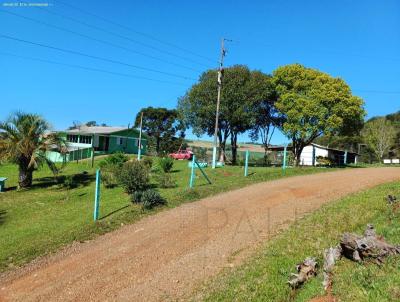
{"x": 220, "y": 71}
{"x": 140, "y": 137}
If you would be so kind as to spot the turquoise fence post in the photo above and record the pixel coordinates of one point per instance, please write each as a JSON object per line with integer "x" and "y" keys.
{"x": 97, "y": 196}
{"x": 139, "y": 153}
{"x": 192, "y": 172}
{"x": 246, "y": 163}
{"x": 284, "y": 159}
{"x": 204, "y": 173}
{"x": 92, "y": 157}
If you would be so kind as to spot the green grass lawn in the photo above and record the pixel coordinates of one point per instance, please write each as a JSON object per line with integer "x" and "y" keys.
{"x": 264, "y": 277}
{"x": 41, "y": 220}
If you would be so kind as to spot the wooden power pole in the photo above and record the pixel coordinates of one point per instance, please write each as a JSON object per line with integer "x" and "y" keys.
{"x": 220, "y": 72}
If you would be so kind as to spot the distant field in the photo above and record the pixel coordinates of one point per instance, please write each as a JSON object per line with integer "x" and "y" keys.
{"x": 242, "y": 146}
{"x": 41, "y": 220}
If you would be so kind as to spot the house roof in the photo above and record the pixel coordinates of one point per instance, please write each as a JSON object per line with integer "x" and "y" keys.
{"x": 96, "y": 130}
{"x": 332, "y": 149}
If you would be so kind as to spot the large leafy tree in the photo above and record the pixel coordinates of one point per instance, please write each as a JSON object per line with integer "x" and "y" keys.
{"x": 265, "y": 116}
{"x": 161, "y": 124}
{"x": 24, "y": 140}
{"x": 379, "y": 134}
{"x": 313, "y": 104}
{"x": 240, "y": 89}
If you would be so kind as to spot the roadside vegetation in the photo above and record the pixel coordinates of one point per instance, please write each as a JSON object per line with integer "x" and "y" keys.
{"x": 264, "y": 277}
{"x": 58, "y": 210}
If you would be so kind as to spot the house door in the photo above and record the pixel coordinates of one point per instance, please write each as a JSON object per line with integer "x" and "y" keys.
{"x": 106, "y": 142}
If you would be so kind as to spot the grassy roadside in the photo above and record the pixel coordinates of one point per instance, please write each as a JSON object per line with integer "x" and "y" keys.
{"x": 43, "y": 219}
{"x": 264, "y": 277}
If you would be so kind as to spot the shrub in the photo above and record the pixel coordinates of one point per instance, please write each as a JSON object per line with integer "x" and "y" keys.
{"x": 137, "y": 196}
{"x": 134, "y": 176}
{"x": 148, "y": 162}
{"x": 109, "y": 175}
{"x": 151, "y": 198}
{"x": 165, "y": 180}
{"x": 166, "y": 164}
{"x": 115, "y": 159}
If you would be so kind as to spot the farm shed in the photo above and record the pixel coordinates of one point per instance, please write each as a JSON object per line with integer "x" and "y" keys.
{"x": 309, "y": 155}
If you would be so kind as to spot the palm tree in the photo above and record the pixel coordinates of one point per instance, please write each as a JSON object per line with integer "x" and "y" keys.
{"x": 24, "y": 140}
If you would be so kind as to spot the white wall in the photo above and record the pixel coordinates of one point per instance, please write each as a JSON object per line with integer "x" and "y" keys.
{"x": 306, "y": 157}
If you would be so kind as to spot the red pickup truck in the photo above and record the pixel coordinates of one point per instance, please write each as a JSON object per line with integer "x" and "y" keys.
{"x": 182, "y": 154}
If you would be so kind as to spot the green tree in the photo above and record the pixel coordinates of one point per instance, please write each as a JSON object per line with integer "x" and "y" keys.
{"x": 395, "y": 119}
{"x": 91, "y": 124}
{"x": 24, "y": 140}
{"x": 265, "y": 116}
{"x": 379, "y": 134}
{"x": 240, "y": 89}
{"x": 161, "y": 124}
{"x": 313, "y": 104}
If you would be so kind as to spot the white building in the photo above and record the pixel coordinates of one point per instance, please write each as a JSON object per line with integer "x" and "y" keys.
{"x": 309, "y": 155}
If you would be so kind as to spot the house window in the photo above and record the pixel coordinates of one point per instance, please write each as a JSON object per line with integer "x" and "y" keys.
{"x": 120, "y": 140}
{"x": 85, "y": 139}
{"x": 72, "y": 138}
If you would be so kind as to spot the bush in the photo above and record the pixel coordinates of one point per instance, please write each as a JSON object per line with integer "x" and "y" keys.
{"x": 151, "y": 198}
{"x": 148, "y": 162}
{"x": 115, "y": 159}
{"x": 165, "y": 180}
{"x": 137, "y": 196}
{"x": 166, "y": 164}
{"x": 109, "y": 175}
{"x": 134, "y": 176}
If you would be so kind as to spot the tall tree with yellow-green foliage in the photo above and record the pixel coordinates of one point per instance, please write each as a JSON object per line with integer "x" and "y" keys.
{"x": 313, "y": 103}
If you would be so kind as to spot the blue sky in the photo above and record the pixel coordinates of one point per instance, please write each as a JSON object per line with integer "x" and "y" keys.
{"x": 356, "y": 40}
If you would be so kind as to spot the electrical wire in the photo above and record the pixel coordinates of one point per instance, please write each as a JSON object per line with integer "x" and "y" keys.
{"x": 135, "y": 31}
{"x": 94, "y": 57}
{"x": 97, "y": 40}
{"x": 122, "y": 37}
{"x": 88, "y": 68}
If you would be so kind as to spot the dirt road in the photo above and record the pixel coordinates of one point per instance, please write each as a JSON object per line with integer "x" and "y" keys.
{"x": 163, "y": 257}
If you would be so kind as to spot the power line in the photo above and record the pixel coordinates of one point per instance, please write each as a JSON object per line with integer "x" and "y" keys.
{"x": 122, "y": 36}
{"x": 94, "y": 57}
{"x": 325, "y": 51}
{"x": 88, "y": 68}
{"x": 136, "y": 32}
{"x": 97, "y": 40}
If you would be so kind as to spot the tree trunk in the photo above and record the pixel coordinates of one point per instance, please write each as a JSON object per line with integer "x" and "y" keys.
{"x": 234, "y": 147}
{"x": 297, "y": 150}
{"x": 222, "y": 137}
{"x": 158, "y": 140}
{"x": 25, "y": 177}
{"x": 306, "y": 270}
{"x": 358, "y": 248}
{"x": 222, "y": 157}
